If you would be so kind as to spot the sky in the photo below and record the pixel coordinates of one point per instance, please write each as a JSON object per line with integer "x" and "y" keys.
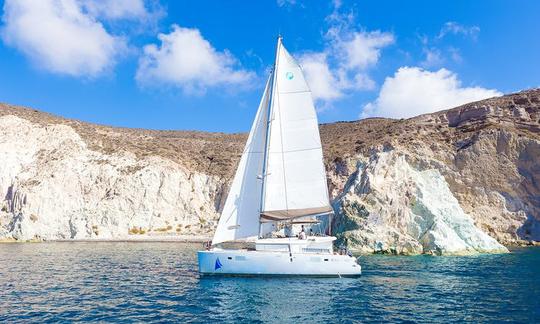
{"x": 202, "y": 65}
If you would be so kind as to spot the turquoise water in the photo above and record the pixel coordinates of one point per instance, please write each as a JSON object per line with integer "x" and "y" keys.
{"x": 134, "y": 282}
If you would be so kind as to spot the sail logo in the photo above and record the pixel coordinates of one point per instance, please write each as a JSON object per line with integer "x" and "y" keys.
{"x": 289, "y": 75}
{"x": 218, "y": 264}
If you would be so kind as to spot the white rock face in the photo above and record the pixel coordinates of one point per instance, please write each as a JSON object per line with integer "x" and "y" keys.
{"x": 56, "y": 188}
{"x": 454, "y": 182}
{"x": 390, "y": 206}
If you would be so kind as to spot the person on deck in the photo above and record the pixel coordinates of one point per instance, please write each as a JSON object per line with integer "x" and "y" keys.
{"x": 302, "y": 234}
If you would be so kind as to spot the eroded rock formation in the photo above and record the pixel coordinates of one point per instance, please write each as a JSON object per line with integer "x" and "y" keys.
{"x": 442, "y": 183}
{"x": 464, "y": 180}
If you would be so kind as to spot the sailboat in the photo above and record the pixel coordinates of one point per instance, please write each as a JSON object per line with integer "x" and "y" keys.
{"x": 280, "y": 182}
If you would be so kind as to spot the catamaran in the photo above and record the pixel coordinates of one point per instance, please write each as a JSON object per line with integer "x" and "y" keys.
{"x": 280, "y": 183}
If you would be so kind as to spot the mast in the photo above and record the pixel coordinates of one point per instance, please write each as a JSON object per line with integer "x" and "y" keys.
{"x": 268, "y": 121}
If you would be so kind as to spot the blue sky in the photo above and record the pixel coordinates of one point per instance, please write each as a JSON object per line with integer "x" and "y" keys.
{"x": 202, "y": 64}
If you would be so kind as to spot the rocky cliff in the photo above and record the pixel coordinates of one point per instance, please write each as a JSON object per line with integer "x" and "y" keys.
{"x": 465, "y": 180}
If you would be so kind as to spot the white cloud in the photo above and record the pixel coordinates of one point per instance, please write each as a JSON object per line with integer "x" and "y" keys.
{"x": 323, "y": 83}
{"x": 362, "y": 49}
{"x": 116, "y": 9}
{"x": 455, "y": 54}
{"x": 56, "y": 35}
{"x": 453, "y": 27}
{"x": 413, "y": 91}
{"x": 337, "y": 3}
{"x": 282, "y": 3}
{"x": 433, "y": 58}
{"x": 186, "y": 60}
{"x": 436, "y": 56}
{"x": 344, "y": 62}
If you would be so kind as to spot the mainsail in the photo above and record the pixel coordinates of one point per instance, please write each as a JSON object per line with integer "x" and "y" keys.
{"x": 295, "y": 178}
{"x": 281, "y": 173}
{"x": 239, "y": 218}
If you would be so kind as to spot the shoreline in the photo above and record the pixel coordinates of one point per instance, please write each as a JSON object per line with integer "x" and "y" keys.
{"x": 187, "y": 239}
{"x": 144, "y": 239}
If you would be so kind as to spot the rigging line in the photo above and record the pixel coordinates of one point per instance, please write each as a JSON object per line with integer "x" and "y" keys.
{"x": 267, "y": 138}
{"x": 302, "y": 119}
{"x": 301, "y": 150}
{"x": 282, "y": 150}
{"x": 299, "y": 91}
{"x": 268, "y": 118}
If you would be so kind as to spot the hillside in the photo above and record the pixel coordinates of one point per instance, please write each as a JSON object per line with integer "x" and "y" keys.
{"x": 448, "y": 182}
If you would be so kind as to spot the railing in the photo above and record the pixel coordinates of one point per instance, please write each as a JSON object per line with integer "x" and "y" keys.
{"x": 315, "y": 250}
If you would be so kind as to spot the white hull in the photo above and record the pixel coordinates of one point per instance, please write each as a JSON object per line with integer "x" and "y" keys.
{"x": 267, "y": 262}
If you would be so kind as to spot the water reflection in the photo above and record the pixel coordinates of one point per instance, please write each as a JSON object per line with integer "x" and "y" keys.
{"x": 158, "y": 281}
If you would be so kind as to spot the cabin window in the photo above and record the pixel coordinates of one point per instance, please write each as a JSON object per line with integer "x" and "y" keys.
{"x": 273, "y": 247}
{"x": 230, "y": 258}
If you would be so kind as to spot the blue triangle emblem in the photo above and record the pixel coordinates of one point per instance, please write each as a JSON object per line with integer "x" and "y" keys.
{"x": 218, "y": 264}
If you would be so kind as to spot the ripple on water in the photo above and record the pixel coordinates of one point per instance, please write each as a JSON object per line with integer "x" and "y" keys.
{"x": 154, "y": 282}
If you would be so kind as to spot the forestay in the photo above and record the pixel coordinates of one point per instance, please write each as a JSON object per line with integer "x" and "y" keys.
{"x": 240, "y": 216}
{"x": 295, "y": 178}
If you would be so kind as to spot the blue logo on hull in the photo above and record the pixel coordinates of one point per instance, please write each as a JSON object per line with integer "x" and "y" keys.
{"x": 218, "y": 264}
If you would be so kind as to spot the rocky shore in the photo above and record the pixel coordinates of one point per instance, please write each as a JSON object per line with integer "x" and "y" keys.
{"x": 460, "y": 181}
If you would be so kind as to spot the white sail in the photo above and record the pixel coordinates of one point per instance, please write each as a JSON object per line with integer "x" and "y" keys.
{"x": 295, "y": 178}
{"x": 240, "y": 216}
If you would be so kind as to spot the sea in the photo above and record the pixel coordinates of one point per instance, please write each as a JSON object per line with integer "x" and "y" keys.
{"x": 158, "y": 282}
